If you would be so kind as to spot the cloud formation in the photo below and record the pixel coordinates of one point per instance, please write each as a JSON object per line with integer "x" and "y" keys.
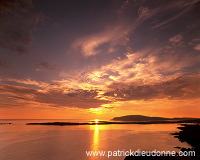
{"x": 148, "y": 65}
{"x": 110, "y": 38}
{"x": 17, "y": 19}
{"x": 197, "y": 47}
{"x": 52, "y": 95}
{"x": 148, "y": 51}
{"x": 176, "y": 39}
{"x": 187, "y": 87}
{"x": 179, "y": 8}
{"x": 178, "y": 88}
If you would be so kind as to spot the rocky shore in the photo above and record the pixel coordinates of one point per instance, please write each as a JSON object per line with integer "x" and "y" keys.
{"x": 190, "y": 133}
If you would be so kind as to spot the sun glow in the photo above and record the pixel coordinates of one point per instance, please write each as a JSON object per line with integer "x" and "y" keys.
{"x": 96, "y": 121}
{"x": 96, "y": 110}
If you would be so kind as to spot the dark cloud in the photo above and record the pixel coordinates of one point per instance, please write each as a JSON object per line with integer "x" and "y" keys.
{"x": 83, "y": 94}
{"x": 17, "y": 19}
{"x": 81, "y": 99}
{"x": 6, "y": 88}
{"x": 44, "y": 65}
{"x": 54, "y": 97}
{"x": 187, "y": 87}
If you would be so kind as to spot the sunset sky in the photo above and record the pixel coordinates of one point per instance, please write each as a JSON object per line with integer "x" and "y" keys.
{"x": 97, "y": 59}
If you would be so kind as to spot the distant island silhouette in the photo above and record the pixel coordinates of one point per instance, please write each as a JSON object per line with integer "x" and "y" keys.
{"x": 129, "y": 119}
{"x": 147, "y": 118}
{"x": 4, "y": 123}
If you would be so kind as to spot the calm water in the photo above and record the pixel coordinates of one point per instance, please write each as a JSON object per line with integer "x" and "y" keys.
{"x": 37, "y": 142}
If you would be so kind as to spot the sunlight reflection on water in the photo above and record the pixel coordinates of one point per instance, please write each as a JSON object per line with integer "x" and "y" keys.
{"x": 21, "y": 141}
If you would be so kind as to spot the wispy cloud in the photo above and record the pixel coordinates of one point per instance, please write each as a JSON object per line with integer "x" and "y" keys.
{"x": 197, "y": 47}
{"x": 176, "y": 39}
{"x": 28, "y": 81}
{"x": 108, "y": 39}
{"x": 179, "y": 7}
{"x": 195, "y": 43}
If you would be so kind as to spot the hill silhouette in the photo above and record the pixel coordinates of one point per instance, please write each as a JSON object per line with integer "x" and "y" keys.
{"x": 147, "y": 118}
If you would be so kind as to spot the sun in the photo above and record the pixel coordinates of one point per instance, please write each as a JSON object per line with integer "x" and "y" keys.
{"x": 96, "y": 121}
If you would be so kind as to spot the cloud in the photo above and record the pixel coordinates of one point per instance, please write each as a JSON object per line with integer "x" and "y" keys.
{"x": 17, "y": 19}
{"x": 179, "y": 88}
{"x": 26, "y": 82}
{"x": 176, "y": 39}
{"x": 80, "y": 99}
{"x": 140, "y": 75}
{"x": 195, "y": 43}
{"x": 144, "y": 12}
{"x": 143, "y": 70}
{"x": 45, "y": 65}
{"x": 123, "y": 6}
{"x": 197, "y": 47}
{"x": 171, "y": 19}
{"x": 55, "y": 97}
{"x": 17, "y": 90}
{"x": 178, "y": 7}
{"x": 91, "y": 45}
{"x": 147, "y": 66}
{"x": 122, "y": 32}
{"x": 143, "y": 63}
{"x": 187, "y": 87}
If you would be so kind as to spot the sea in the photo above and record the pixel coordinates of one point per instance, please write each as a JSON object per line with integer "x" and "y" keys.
{"x": 19, "y": 141}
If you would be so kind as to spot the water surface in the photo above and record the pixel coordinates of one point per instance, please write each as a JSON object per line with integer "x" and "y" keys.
{"x": 39, "y": 142}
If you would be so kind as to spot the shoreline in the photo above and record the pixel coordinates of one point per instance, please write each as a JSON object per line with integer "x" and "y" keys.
{"x": 108, "y": 122}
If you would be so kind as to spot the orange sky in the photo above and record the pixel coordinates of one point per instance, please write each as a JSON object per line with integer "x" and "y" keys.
{"x": 99, "y": 60}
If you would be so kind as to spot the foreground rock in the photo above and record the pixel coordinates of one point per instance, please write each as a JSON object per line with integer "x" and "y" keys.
{"x": 189, "y": 134}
